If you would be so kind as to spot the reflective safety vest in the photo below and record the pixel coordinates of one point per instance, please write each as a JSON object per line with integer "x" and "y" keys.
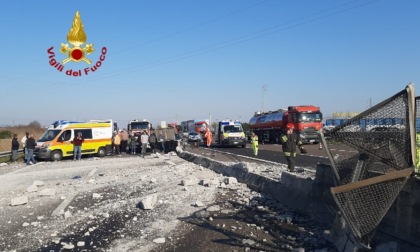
{"x": 290, "y": 143}
{"x": 254, "y": 140}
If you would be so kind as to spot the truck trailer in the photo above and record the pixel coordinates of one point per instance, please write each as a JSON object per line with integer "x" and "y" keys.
{"x": 269, "y": 126}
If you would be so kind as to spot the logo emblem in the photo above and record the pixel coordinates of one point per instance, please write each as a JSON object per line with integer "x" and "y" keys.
{"x": 76, "y": 52}
{"x": 76, "y": 37}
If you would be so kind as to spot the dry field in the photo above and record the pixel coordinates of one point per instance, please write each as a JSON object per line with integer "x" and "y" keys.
{"x": 6, "y": 144}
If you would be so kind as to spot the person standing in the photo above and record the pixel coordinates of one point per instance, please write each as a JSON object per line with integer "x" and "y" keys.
{"x": 15, "y": 148}
{"x": 124, "y": 141}
{"x": 153, "y": 141}
{"x": 208, "y": 136}
{"x": 117, "y": 142}
{"x": 290, "y": 141}
{"x": 162, "y": 140}
{"x": 144, "y": 140}
{"x": 254, "y": 143}
{"x": 30, "y": 147}
{"x": 133, "y": 143}
{"x": 25, "y": 151}
{"x": 77, "y": 149}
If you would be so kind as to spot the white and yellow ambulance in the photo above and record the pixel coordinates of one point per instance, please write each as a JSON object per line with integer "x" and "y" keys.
{"x": 56, "y": 143}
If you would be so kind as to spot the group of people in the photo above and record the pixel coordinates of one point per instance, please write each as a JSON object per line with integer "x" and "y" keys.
{"x": 290, "y": 141}
{"x": 28, "y": 143}
{"x": 121, "y": 140}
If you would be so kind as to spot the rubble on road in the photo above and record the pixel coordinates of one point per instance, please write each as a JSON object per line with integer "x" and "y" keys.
{"x": 108, "y": 208}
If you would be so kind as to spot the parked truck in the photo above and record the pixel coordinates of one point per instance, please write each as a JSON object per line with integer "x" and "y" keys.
{"x": 230, "y": 133}
{"x": 137, "y": 126}
{"x": 269, "y": 126}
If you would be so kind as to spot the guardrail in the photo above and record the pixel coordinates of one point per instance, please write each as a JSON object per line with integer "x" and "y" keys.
{"x": 8, "y": 153}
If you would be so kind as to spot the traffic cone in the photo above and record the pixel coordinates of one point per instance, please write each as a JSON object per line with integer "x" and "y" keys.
{"x": 320, "y": 146}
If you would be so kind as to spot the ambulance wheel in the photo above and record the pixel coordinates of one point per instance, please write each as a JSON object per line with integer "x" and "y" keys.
{"x": 56, "y": 155}
{"x": 101, "y": 152}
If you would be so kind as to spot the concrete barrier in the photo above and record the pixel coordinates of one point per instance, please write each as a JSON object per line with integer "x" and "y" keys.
{"x": 312, "y": 196}
{"x": 298, "y": 192}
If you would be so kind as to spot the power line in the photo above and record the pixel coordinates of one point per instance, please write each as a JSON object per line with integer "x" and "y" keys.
{"x": 242, "y": 39}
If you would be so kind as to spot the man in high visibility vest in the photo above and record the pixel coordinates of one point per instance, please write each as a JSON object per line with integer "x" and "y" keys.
{"x": 208, "y": 137}
{"x": 290, "y": 140}
{"x": 254, "y": 142}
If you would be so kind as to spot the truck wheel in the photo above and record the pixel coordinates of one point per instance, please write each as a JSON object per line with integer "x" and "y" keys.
{"x": 56, "y": 155}
{"x": 101, "y": 152}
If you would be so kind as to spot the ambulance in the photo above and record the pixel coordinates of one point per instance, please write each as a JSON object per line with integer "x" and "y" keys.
{"x": 230, "y": 133}
{"x": 56, "y": 143}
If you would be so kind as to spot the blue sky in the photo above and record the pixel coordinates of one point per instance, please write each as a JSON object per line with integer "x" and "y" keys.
{"x": 173, "y": 60}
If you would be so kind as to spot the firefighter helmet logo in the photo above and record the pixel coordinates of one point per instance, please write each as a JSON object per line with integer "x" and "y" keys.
{"x": 76, "y": 37}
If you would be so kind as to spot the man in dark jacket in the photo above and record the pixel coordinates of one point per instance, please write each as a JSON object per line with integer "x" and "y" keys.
{"x": 30, "y": 146}
{"x": 15, "y": 148}
{"x": 153, "y": 141}
{"x": 77, "y": 142}
{"x": 290, "y": 141}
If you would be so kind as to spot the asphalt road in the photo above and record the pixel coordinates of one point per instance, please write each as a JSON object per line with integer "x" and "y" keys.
{"x": 269, "y": 152}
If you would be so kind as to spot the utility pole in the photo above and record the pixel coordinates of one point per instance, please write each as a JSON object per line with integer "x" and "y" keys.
{"x": 263, "y": 89}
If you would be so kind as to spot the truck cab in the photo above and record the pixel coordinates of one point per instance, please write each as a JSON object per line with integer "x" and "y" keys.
{"x": 307, "y": 121}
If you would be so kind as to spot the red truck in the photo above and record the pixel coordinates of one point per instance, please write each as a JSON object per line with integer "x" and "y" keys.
{"x": 269, "y": 126}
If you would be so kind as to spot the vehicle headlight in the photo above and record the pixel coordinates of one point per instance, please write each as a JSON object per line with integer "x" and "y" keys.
{"x": 45, "y": 145}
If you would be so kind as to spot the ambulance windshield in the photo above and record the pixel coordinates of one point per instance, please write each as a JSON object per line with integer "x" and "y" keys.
{"x": 49, "y": 135}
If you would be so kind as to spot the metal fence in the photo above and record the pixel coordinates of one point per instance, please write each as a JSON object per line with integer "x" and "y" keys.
{"x": 372, "y": 158}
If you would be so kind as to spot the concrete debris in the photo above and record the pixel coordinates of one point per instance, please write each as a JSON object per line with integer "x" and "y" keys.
{"x": 159, "y": 240}
{"x": 47, "y": 192}
{"x": 80, "y": 244}
{"x": 213, "y": 208}
{"x": 22, "y": 200}
{"x": 202, "y": 214}
{"x": 189, "y": 181}
{"x": 230, "y": 180}
{"x": 170, "y": 163}
{"x": 198, "y": 204}
{"x": 25, "y": 224}
{"x": 96, "y": 196}
{"x": 148, "y": 203}
{"x": 32, "y": 188}
{"x": 248, "y": 242}
{"x": 3, "y": 164}
{"x": 67, "y": 214}
{"x": 68, "y": 246}
{"x": 209, "y": 182}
